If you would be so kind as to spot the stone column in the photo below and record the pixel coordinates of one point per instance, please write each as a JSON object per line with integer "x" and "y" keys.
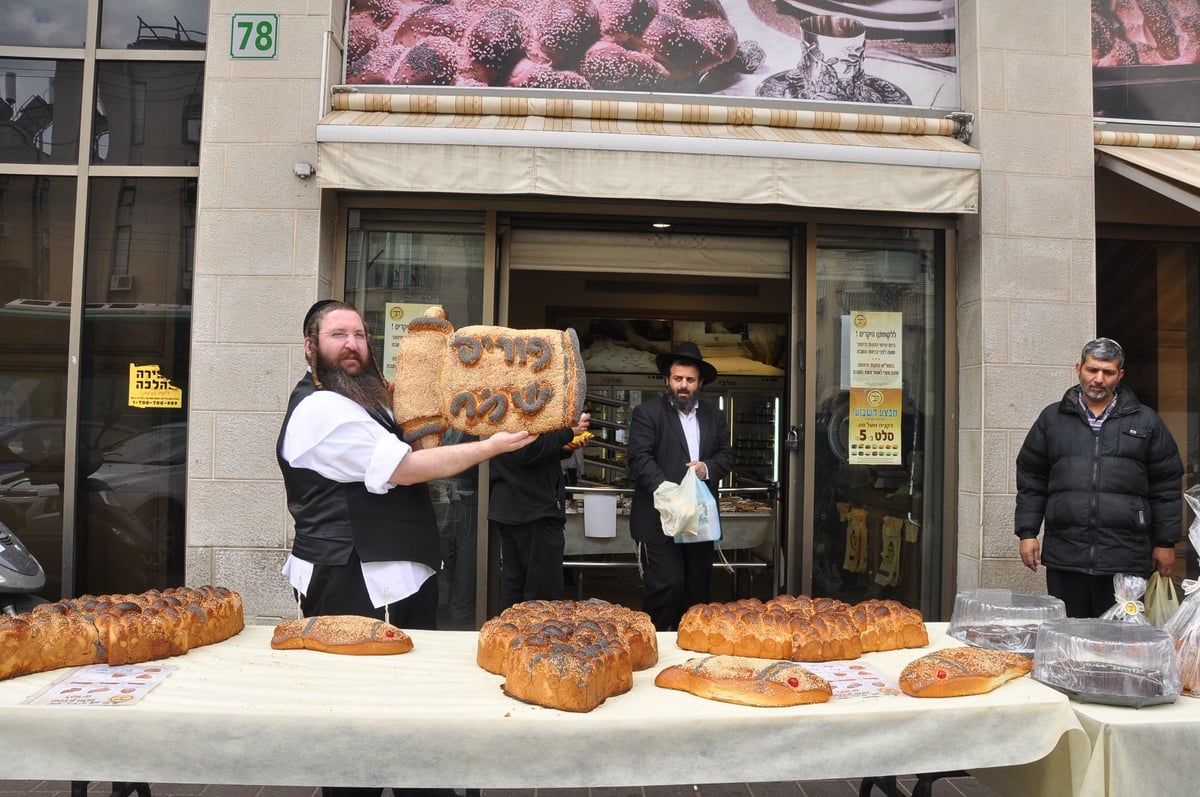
{"x": 264, "y": 253}
{"x": 1026, "y": 263}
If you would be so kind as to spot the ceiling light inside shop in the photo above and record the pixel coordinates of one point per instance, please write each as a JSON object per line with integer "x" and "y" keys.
{"x": 662, "y": 225}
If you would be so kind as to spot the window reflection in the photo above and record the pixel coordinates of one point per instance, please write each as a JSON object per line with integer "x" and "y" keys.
{"x": 147, "y": 113}
{"x": 34, "y": 24}
{"x": 36, "y": 240}
{"x": 158, "y": 25}
{"x": 134, "y": 374}
{"x": 39, "y": 110}
{"x": 872, "y": 538}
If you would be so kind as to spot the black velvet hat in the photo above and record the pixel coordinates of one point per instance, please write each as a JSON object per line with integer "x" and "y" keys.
{"x": 688, "y": 352}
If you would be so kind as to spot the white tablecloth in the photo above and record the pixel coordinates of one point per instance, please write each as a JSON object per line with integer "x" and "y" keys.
{"x": 1150, "y": 751}
{"x": 240, "y": 713}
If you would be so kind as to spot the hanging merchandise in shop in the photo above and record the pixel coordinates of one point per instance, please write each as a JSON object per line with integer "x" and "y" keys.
{"x": 876, "y": 388}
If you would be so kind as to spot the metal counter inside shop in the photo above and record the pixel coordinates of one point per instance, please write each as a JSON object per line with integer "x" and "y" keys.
{"x": 749, "y": 540}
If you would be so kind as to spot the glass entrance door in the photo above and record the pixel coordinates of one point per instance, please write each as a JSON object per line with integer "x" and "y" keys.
{"x": 398, "y": 264}
{"x": 875, "y": 529}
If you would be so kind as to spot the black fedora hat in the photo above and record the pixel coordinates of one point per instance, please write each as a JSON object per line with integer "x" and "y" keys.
{"x": 688, "y": 352}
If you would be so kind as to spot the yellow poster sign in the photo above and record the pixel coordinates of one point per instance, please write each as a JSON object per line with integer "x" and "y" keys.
{"x": 876, "y": 387}
{"x": 396, "y": 316}
{"x": 149, "y": 388}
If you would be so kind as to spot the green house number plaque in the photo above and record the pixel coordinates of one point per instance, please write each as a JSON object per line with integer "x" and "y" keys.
{"x": 254, "y": 36}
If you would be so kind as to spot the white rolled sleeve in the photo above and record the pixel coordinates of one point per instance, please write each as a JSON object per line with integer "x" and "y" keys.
{"x": 335, "y": 437}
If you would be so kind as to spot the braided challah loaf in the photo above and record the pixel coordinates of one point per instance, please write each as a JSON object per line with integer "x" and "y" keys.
{"x": 117, "y": 629}
{"x": 800, "y": 628}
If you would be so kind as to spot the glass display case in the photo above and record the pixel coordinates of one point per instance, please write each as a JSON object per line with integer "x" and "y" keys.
{"x": 753, "y": 408}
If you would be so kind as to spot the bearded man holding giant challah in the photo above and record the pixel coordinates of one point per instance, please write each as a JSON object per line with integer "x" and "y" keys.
{"x": 366, "y": 537}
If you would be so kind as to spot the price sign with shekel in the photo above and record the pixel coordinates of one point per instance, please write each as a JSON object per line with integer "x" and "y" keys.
{"x": 254, "y": 36}
{"x": 876, "y": 387}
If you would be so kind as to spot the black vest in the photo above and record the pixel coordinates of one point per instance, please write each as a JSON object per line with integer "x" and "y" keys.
{"x": 334, "y": 519}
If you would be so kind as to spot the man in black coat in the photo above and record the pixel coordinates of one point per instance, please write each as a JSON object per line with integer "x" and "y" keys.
{"x": 1103, "y": 473}
{"x": 668, "y": 435}
{"x": 526, "y": 509}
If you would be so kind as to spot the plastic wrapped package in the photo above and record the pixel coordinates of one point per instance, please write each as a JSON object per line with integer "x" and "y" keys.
{"x": 1002, "y": 619}
{"x": 1184, "y": 625}
{"x": 1184, "y": 628}
{"x": 1127, "y": 592}
{"x": 1103, "y": 661}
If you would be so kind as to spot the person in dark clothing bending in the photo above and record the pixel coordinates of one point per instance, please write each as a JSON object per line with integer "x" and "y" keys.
{"x": 1102, "y": 472}
{"x": 527, "y": 510}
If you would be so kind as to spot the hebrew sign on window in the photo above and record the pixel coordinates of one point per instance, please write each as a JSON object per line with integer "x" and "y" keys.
{"x": 876, "y": 387}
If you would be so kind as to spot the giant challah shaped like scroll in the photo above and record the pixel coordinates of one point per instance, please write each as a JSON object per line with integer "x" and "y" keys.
{"x": 485, "y": 379}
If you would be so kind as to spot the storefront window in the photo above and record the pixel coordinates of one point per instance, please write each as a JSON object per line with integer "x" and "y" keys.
{"x": 397, "y": 265}
{"x": 875, "y": 527}
{"x": 36, "y": 240}
{"x": 148, "y": 113}
{"x": 39, "y": 110}
{"x": 134, "y": 376}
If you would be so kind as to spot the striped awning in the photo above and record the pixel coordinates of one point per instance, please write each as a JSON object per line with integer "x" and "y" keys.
{"x": 1166, "y": 164}
{"x": 638, "y": 150}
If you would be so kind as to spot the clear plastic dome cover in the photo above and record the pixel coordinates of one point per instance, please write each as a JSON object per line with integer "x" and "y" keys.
{"x": 1002, "y": 619}
{"x": 1105, "y": 661}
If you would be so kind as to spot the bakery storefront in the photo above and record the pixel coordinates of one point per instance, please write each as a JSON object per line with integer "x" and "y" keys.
{"x": 806, "y": 247}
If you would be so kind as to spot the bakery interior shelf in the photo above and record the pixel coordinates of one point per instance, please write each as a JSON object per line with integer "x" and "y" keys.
{"x": 604, "y": 457}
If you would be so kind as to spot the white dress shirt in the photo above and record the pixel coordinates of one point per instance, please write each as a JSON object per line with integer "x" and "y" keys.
{"x": 691, "y": 433}
{"x": 334, "y": 436}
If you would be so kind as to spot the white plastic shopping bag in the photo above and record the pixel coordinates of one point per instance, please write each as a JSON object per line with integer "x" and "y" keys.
{"x": 708, "y": 515}
{"x": 677, "y": 505}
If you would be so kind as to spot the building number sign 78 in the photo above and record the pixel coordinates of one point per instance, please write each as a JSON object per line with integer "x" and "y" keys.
{"x": 254, "y": 36}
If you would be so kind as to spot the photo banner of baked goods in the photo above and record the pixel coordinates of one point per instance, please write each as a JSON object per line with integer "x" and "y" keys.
{"x": 1146, "y": 60}
{"x": 892, "y": 52}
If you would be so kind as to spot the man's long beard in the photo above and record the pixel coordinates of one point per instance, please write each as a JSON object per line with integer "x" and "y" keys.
{"x": 365, "y": 388}
{"x": 684, "y": 405}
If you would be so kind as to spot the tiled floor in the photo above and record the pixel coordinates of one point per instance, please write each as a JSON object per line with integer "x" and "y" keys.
{"x": 943, "y": 787}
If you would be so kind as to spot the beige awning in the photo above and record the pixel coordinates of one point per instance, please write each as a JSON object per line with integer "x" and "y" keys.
{"x": 1166, "y": 164}
{"x": 659, "y": 151}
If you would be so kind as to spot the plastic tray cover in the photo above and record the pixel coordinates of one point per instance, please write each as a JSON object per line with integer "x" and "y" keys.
{"x": 1002, "y": 619}
{"x": 1105, "y": 661}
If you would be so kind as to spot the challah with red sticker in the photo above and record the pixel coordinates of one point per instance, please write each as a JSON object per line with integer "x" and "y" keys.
{"x": 746, "y": 681}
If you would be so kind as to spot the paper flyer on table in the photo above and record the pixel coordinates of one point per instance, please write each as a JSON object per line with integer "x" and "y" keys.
{"x": 102, "y": 685}
{"x": 853, "y": 679}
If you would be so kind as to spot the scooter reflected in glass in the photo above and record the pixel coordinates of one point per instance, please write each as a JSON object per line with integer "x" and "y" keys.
{"x": 115, "y": 552}
{"x": 21, "y": 575}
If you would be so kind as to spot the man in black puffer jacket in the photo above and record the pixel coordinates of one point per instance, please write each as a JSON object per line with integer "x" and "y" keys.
{"x": 1103, "y": 472}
